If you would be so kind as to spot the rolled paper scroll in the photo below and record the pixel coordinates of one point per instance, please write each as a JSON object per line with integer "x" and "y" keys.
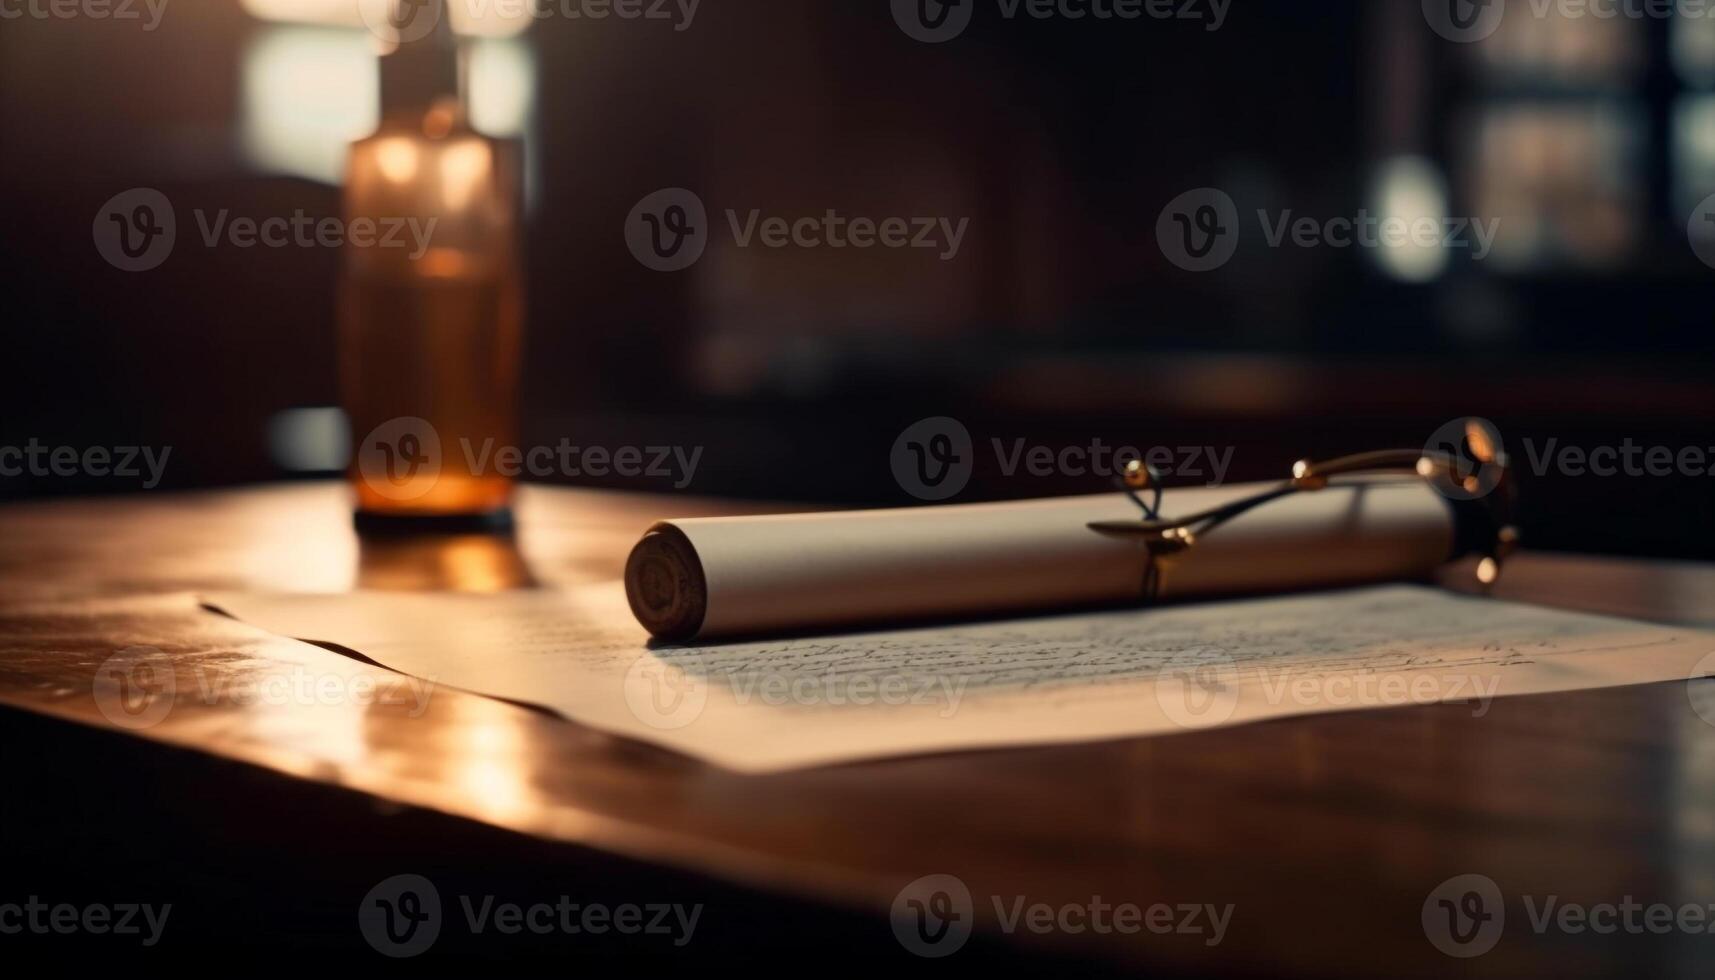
{"x": 719, "y": 577}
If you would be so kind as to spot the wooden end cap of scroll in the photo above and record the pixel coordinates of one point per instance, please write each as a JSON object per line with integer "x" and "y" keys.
{"x": 665, "y": 586}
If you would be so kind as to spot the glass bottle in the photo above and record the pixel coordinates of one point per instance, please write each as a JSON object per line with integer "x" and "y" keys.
{"x": 430, "y": 305}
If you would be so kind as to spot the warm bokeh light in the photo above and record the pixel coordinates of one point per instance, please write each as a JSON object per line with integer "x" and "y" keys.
{"x": 502, "y": 86}
{"x": 397, "y": 158}
{"x": 466, "y": 169}
{"x": 453, "y": 563}
{"x": 1411, "y": 189}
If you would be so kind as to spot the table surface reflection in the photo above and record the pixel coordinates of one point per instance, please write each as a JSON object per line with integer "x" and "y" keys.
{"x": 1326, "y": 833}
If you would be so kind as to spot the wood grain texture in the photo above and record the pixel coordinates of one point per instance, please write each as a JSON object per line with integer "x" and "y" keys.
{"x": 1326, "y": 834}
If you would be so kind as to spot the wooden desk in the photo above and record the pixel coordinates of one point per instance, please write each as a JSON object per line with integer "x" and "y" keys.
{"x": 1326, "y": 834}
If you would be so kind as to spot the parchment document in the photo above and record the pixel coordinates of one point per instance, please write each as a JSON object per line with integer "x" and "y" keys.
{"x": 762, "y": 706}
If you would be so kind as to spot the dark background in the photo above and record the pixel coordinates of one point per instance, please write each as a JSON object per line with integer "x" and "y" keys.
{"x": 1592, "y": 140}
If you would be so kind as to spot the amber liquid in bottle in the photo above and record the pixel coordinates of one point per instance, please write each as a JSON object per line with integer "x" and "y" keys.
{"x": 430, "y": 325}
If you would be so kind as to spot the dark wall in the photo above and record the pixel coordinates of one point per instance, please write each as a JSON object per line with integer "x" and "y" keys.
{"x": 1060, "y": 320}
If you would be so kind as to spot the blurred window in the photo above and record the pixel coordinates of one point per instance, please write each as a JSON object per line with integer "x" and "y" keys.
{"x": 1693, "y": 46}
{"x": 1555, "y": 139}
{"x": 311, "y": 81}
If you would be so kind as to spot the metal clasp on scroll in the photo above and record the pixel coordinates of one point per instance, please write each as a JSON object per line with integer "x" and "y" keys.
{"x": 1169, "y": 537}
